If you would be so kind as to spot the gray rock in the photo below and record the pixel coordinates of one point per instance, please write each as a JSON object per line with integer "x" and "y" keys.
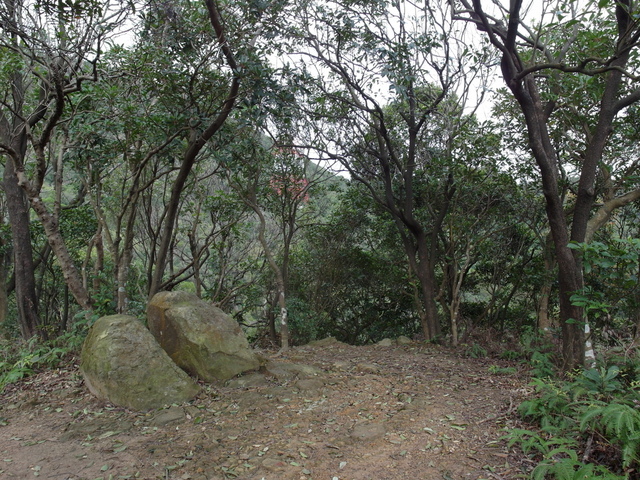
{"x": 325, "y": 342}
{"x": 368, "y": 431}
{"x": 309, "y": 384}
{"x": 402, "y": 340}
{"x": 246, "y": 381}
{"x": 341, "y": 366}
{"x": 123, "y": 364}
{"x": 385, "y": 342}
{"x": 199, "y": 337}
{"x": 168, "y": 416}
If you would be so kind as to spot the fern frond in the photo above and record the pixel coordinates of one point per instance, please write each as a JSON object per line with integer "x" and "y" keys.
{"x": 621, "y": 425}
{"x": 541, "y": 470}
{"x": 565, "y": 469}
{"x": 630, "y": 452}
{"x": 563, "y": 450}
{"x": 591, "y": 413}
{"x": 621, "y": 419}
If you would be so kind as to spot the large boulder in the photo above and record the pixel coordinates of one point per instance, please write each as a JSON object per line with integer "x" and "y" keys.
{"x": 121, "y": 362}
{"x": 199, "y": 337}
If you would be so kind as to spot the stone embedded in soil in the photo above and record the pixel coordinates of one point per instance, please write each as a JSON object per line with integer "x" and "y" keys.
{"x": 246, "y": 381}
{"x": 168, "y": 416}
{"x": 368, "y": 431}
{"x": 309, "y": 385}
{"x": 326, "y": 342}
{"x": 341, "y": 366}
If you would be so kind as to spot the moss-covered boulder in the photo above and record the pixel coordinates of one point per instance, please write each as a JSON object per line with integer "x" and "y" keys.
{"x": 122, "y": 363}
{"x": 199, "y": 337}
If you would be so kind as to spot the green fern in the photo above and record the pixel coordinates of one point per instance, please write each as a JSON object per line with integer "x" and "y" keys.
{"x": 553, "y": 409}
{"x": 532, "y": 442}
{"x": 572, "y": 469}
{"x": 620, "y": 423}
{"x": 542, "y": 366}
{"x": 28, "y": 359}
{"x": 596, "y": 402}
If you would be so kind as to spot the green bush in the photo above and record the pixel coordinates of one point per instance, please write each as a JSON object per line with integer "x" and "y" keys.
{"x": 567, "y": 414}
{"x": 26, "y": 358}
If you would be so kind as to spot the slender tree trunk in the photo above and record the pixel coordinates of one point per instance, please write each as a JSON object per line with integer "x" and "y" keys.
{"x": 4, "y": 294}
{"x": 65, "y": 310}
{"x": 271, "y": 320}
{"x": 98, "y": 267}
{"x": 69, "y": 271}
{"x": 277, "y": 271}
{"x": 545, "y": 322}
{"x": 23, "y": 266}
{"x": 569, "y": 276}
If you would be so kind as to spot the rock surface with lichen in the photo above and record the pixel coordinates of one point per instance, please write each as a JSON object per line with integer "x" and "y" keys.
{"x": 122, "y": 363}
{"x": 200, "y": 338}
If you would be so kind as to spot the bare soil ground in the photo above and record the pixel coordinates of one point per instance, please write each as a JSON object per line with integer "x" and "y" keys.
{"x": 352, "y": 413}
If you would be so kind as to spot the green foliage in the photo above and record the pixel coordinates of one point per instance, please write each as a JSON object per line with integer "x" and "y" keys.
{"x": 560, "y": 457}
{"x": 78, "y": 225}
{"x": 303, "y": 321}
{"x": 497, "y": 370}
{"x": 611, "y": 279}
{"x": 621, "y": 425}
{"x": 602, "y": 381}
{"x": 510, "y": 355}
{"x": 595, "y": 404}
{"x": 572, "y": 469}
{"x": 547, "y": 445}
{"x": 351, "y": 276}
{"x": 475, "y": 351}
{"x": 21, "y": 361}
{"x": 536, "y": 348}
{"x": 542, "y": 365}
{"x": 628, "y": 364}
{"x": 551, "y": 408}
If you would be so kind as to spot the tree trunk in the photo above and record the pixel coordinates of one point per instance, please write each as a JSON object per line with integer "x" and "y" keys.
{"x": 98, "y": 266}
{"x": 569, "y": 275}
{"x": 277, "y": 271}
{"x": 545, "y": 322}
{"x": 284, "y": 321}
{"x": 23, "y": 267}
{"x": 4, "y": 294}
{"x": 69, "y": 271}
{"x": 424, "y": 269}
{"x": 271, "y": 320}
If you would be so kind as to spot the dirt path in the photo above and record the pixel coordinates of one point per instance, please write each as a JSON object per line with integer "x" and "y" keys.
{"x": 351, "y": 413}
